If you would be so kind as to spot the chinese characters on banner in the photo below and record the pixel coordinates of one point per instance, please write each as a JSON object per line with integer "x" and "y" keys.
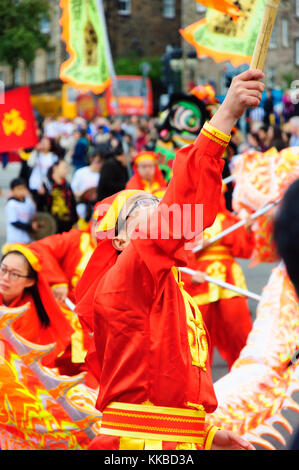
{"x": 219, "y": 37}
{"x": 89, "y": 66}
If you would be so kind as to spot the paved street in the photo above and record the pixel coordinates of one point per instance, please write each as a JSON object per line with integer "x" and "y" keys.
{"x": 256, "y": 279}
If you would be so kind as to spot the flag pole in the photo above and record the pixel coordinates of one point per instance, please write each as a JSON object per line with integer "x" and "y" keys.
{"x": 239, "y": 224}
{"x": 264, "y": 35}
{"x": 224, "y": 284}
{"x": 113, "y": 77}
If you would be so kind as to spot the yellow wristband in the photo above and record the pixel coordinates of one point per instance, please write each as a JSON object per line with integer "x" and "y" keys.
{"x": 210, "y": 436}
{"x": 54, "y": 286}
{"x": 216, "y": 133}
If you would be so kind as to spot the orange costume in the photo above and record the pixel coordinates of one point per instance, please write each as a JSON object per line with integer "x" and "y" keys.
{"x": 226, "y": 313}
{"x": 65, "y": 257}
{"x": 136, "y": 182}
{"x": 151, "y": 344}
{"x": 28, "y": 325}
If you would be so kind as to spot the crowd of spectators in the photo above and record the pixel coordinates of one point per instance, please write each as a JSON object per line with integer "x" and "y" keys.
{"x": 75, "y": 164}
{"x": 78, "y": 162}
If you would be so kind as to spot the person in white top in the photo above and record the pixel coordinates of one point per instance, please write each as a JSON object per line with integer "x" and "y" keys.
{"x": 51, "y": 127}
{"x": 40, "y": 160}
{"x": 20, "y": 211}
{"x": 84, "y": 184}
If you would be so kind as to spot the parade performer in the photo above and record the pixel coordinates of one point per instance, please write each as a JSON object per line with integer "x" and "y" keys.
{"x": 65, "y": 256}
{"x": 155, "y": 382}
{"x": 103, "y": 258}
{"x": 21, "y": 282}
{"x": 180, "y": 123}
{"x": 226, "y": 313}
{"x": 147, "y": 174}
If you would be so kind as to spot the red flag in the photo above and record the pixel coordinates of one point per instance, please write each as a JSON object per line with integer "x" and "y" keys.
{"x": 17, "y": 123}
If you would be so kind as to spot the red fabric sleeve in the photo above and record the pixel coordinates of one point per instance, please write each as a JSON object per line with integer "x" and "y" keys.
{"x": 196, "y": 181}
{"x": 134, "y": 183}
{"x": 52, "y": 251}
{"x": 240, "y": 243}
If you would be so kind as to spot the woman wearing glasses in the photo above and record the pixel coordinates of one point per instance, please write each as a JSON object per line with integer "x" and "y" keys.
{"x": 21, "y": 282}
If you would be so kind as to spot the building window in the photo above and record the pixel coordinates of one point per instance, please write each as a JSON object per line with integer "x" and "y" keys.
{"x": 273, "y": 40}
{"x": 51, "y": 66}
{"x": 45, "y": 26}
{"x": 124, "y": 7}
{"x": 297, "y": 52}
{"x": 168, "y": 8}
{"x": 2, "y": 88}
{"x": 200, "y": 8}
{"x": 297, "y": 8}
{"x": 30, "y": 75}
{"x": 271, "y": 77}
{"x": 285, "y": 32}
{"x": 17, "y": 76}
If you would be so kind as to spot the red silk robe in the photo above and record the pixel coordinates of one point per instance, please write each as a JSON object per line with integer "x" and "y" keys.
{"x": 225, "y": 312}
{"x": 29, "y": 326}
{"x": 135, "y": 182}
{"x": 151, "y": 347}
{"x": 64, "y": 257}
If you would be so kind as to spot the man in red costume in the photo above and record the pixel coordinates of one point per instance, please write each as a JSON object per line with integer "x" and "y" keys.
{"x": 65, "y": 257}
{"x": 147, "y": 174}
{"x": 225, "y": 313}
{"x": 152, "y": 347}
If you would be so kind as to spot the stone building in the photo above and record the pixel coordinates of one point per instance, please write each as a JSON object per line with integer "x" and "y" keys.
{"x": 282, "y": 63}
{"x": 43, "y": 74}
{"x": 143, "y": 26}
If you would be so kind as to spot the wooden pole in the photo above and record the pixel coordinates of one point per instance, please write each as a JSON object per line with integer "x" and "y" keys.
{"x": 264, "y": 35}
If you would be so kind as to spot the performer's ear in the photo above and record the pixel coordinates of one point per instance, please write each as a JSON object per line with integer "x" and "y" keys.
{"x": 119, "y": 243}
{"x": 30, "y": 282}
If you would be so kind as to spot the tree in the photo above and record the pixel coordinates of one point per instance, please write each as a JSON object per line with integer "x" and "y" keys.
{"x": 20, "y": 30}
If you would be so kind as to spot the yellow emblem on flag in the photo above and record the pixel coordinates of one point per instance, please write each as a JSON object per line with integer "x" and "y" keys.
{"x": 13, "y": 123}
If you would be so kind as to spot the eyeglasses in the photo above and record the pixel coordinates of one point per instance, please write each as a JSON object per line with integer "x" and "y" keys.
{"x": 12, "y": 275}
{"x": 141, "y": 203}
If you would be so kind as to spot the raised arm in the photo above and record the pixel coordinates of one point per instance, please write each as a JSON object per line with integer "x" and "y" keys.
{"x": 197, "y": 176}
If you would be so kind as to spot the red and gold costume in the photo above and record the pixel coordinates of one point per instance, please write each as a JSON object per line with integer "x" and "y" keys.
{"x": 151, "y": 343}
{"x": 136, "y": 182}
{"x": 226, "y": 313}
{"x": 28, "y": 325}
{"x": 65, "y": 256}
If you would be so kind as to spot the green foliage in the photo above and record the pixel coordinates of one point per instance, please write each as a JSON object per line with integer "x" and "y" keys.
{"x": 131, "y": 65}
{"x": 288, "y": 77}
{"x": 20, "y": 34}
